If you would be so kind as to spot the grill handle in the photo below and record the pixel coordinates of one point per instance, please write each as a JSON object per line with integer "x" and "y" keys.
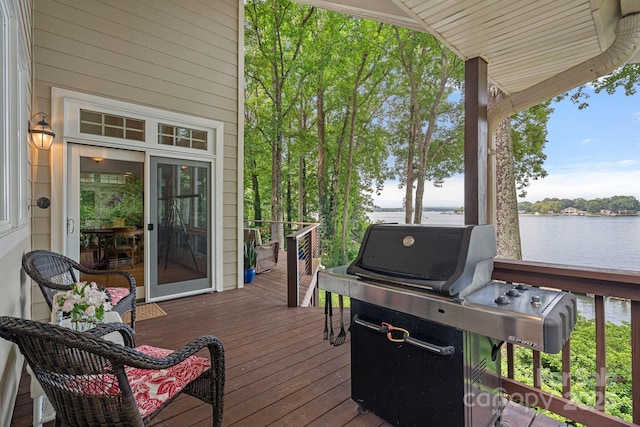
{"x": 378, "y": 328}
{"x": 446, "y": 350}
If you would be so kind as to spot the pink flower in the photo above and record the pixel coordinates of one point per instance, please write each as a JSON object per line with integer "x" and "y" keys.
{"x": 67, "y": 306}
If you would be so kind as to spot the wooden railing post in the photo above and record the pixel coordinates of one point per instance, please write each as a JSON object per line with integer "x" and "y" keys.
{"x": 292, "y": 271}
{"x": 566, "y": 369}
{"x": 635, "y": 359}
{"x": 537, "y": 369}
{"x": 601, "y": 368}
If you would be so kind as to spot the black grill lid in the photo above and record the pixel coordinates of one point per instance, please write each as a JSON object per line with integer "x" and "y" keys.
{"x": 443, "y": 259}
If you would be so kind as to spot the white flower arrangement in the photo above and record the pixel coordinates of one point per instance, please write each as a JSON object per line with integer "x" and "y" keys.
{"x": 85, "y": 302}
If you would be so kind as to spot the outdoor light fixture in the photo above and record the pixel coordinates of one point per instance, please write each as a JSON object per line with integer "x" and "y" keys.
{"x": 42, "y": 203}
{"x": 40, "y": 132}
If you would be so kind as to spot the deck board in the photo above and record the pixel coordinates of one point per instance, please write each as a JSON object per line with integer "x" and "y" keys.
{"x": 279, "y": 370}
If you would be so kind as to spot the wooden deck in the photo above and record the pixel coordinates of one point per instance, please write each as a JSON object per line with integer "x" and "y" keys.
{"x": 279, "y": 371}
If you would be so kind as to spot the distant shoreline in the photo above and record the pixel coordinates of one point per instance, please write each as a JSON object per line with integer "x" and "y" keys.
{"x": 453, "y": 211}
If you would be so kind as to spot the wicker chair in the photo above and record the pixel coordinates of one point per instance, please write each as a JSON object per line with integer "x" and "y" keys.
{"x": 94, "y": 382}
{"x": 54, "y": 272}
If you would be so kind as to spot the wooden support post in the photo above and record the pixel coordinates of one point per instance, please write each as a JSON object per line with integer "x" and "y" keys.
{"x": 475, "y": 142}
{"x": 292, "y": 272}
{"x": 635, "y": 359}
{"x": 566, "y": 370}
{"x": 601, "y": 348}
{"x": 537, "y": 369}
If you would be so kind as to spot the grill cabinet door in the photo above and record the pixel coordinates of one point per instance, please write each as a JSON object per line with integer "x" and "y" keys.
{"x": 403, "y": 384}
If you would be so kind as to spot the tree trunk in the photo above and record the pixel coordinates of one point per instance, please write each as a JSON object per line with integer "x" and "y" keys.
{"x": 257, "y": 203}
{"x": 507, "y": 221}
{"x": 277, "y": 214}
{"x": 289, "y": 192}
{"x": 322, "y": 186}
{"x": 425, "y": 143}
{"x": 301, "y": 191}
{"x": 352, "y": 131}
{"x": 414, "y": 135}
{"x": 335, "y": 183}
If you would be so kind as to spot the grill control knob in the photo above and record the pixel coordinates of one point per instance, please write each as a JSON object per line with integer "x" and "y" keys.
{"x": 522, "y": 287}
{"x": 536, "y": 301}
{"x": 502, "y": 300}
{"x": 513, "y": 292}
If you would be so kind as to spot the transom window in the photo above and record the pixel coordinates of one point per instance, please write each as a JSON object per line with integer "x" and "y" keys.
{"x": 179, "y": 136}
{"x": 96, "y": 123}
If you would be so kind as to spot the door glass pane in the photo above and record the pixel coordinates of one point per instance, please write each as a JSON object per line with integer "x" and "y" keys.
{"x": 182, "y": 216}
{"x": 111, "y": 215}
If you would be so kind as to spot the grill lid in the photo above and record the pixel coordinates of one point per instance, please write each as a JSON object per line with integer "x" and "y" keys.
{"x": 451, "y": 260}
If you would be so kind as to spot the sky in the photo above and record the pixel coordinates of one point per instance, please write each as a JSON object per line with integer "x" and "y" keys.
{"x": 591, "y": 153}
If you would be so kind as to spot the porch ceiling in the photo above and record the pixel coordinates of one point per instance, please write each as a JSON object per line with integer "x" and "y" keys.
{"x": 524, "y": 42}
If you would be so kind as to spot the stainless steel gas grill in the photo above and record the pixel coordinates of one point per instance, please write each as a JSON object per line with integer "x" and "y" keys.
{"x": 427, "y": 323}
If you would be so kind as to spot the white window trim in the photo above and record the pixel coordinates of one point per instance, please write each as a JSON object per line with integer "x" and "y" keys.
{"x": 14, "y": 87}
{"x": 5, "y": 108}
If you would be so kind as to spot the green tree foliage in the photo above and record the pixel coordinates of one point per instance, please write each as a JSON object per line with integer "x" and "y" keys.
{"x": 275, "y": 33}
{"x": 427, "y": 120}
{"x": 328, "y": 99}
{"x": 529, "y": 136}
{"x": 626, "y": 77}
{"x": 328, "y": 121}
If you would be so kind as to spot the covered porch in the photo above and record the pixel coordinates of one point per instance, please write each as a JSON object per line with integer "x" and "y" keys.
{"x": 279, "y": 370}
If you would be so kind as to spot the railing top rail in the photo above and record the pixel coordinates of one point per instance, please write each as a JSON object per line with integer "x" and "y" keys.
{"x": 307, "y": 229}
{"x": 278, "y": 222}
{"x": 597, "y": 281}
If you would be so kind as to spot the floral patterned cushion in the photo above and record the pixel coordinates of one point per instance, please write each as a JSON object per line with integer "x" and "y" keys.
{"x": 117, "y": 294}
{"x": 152, "y": 388}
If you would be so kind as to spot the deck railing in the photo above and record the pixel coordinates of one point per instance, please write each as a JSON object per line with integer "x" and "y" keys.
{"x": 303, "y": 259}
{"x": 302, "y": 265}
{"x": 601, "y": 284}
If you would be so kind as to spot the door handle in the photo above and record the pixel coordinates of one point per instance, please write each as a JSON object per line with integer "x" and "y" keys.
{"x": 71, "y": 226}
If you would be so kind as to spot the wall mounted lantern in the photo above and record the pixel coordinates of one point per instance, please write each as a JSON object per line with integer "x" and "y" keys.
{"x": 40, "y": 132}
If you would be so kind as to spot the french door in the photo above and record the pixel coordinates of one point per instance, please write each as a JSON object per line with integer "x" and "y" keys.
{"x": 179, "y": 227}
{"x": 169, "y": 250}
{"x": 106, "y": 198}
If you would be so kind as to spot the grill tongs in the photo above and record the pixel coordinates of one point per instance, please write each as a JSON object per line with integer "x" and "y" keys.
{"x": 328, "y": 321}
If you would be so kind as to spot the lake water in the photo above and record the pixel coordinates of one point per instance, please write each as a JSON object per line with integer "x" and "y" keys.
{"x": 604, "y": 242}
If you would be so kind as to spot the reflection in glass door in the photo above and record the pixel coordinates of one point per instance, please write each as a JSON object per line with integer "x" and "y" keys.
{"x": 180, "y": 239}
{"x": 106, "y": 210}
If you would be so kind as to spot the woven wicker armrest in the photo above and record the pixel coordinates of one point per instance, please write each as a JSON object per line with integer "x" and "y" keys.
{"x": 144, "y": 361}
{"x": 102, "y": 329}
